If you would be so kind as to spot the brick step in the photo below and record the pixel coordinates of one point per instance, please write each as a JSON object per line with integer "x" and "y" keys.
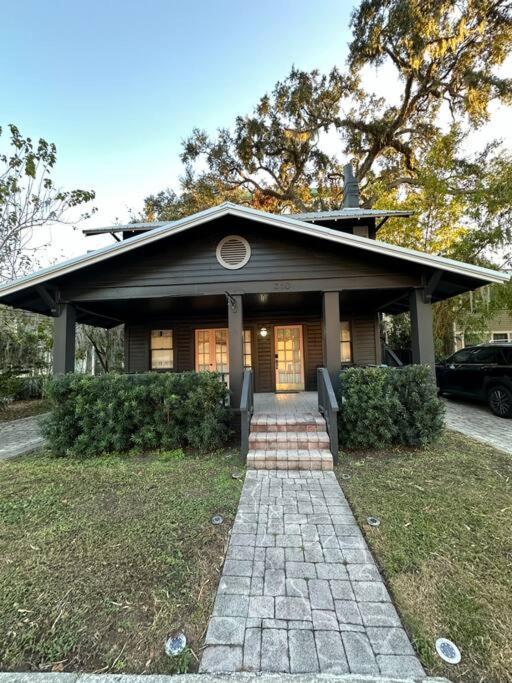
{"x": 288, "y": 440}
{"x": 289, "y": 459}
{"x": 309, "y": 422}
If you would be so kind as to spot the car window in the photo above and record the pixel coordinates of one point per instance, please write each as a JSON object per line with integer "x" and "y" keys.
{"x": 485, "y": 354}
{"x": 507, "y": 353}
{"x": 461, "y": 356}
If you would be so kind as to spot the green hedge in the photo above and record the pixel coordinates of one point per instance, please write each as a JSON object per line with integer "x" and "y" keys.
{"x": 380, "y": 407}
{"x": 14, "y": 388}
{"x": 95, "y": 415}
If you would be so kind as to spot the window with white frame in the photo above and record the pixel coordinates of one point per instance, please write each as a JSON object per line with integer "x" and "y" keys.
{"x": 501, "y": 336}
{"x": 247, "y": 349}
{"x": 162, "y": 350}
{"x": 345, "y": 342}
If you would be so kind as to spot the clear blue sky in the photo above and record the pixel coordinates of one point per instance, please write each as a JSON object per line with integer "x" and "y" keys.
{"x": 117, "y": 84}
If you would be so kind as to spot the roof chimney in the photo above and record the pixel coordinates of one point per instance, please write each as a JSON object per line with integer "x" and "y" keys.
{"x": 350, "y": 188}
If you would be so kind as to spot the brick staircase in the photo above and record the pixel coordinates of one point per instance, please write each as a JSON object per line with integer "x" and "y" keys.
{"x": 289, "y": 442}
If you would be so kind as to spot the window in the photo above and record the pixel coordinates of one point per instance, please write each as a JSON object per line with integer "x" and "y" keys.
{"x": 507, "y": 355}
{"x": 501, "y": 336}
{"x": 461, "y": 356}
{"x": 345, "y": 342}
{"x": 485, "y": 354}
{"x": 247, "y": 349}
{"x": 162, "y": 351}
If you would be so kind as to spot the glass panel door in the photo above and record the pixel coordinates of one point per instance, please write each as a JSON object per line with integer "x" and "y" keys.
{"x": 212, "y": 352}
{"x": 289, "y": 358}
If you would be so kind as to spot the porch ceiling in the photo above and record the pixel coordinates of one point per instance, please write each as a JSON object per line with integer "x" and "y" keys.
{"x": 352, "y": 303}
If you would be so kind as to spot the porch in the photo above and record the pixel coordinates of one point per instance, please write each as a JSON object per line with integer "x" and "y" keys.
{"x": 286, "y": 404}
{"x": 283, "y": 336}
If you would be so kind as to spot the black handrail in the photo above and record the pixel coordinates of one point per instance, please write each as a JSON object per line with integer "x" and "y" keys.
{"x": 246, "y": 410}
{"x": 328, "y": 406}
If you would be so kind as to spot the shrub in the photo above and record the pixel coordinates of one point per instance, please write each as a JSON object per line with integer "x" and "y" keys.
{"x": 383, "y": 406}
{"x": 9, "y": 386}
{"x": 15, "y": 388}
{"x": 422, "y": 419}
{"x": 151, "y": 411}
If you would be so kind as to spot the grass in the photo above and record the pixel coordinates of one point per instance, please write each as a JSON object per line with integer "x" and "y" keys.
{"x": 102, "y": 559}
{"x": 444, "y": 545}
{"x": 18, "y": 409}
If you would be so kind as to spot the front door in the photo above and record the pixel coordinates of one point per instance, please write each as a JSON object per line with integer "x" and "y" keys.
{"x": 289, "y": 358}
{"x": 212, "y": 351}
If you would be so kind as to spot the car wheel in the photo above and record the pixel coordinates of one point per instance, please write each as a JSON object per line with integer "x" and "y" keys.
{"x": 500, "y": 401}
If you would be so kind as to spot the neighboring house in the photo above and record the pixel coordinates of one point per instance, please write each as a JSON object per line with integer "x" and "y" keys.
{"x": 233, "y": 287}
{"x": 499, "y": 329}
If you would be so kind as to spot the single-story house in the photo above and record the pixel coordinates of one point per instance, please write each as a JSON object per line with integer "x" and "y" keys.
{"x": 232, "y": 287}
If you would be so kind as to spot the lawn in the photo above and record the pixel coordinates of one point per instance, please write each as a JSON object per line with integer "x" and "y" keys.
{"x": 18, "y": 409}
{"x": 102, "y": 559}
{"x": 444, "y": 545}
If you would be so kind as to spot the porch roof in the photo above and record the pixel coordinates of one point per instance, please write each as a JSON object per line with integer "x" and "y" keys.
{"x": 15, "y": 293}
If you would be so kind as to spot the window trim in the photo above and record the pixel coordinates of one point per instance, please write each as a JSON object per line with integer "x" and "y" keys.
{"x": 350, "y": 342}
{"x": 498, "y": 341}
{"x": 150, "y": 350}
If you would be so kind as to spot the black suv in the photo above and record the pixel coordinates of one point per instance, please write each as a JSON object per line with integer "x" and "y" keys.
{"x": 483, "y": 372}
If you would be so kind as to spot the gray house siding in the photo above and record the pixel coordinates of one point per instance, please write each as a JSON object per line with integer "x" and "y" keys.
{"x": 365, "y": 348}
{"x": 187, "y": 264}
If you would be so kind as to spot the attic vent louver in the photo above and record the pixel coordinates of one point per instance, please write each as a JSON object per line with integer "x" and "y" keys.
{"x": 233, "y": 252}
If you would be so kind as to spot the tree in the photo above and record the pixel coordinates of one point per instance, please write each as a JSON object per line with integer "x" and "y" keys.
{"x": 29, "y": 199}
{"x": 107, "y": 345}
{"x": 271, "y": 159}
{"x": 445, "y": 54}
{"x": 25, "y": 341}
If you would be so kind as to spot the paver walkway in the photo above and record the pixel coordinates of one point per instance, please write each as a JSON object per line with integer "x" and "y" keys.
{"x": 300, "y": 591}
{"x": 20, "y": 437}
{"x": 477, "y": 421}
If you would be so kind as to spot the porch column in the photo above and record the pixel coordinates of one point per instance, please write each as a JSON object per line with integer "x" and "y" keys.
{"x": 331, "y": 333}
{"x": 236, "y": 352}
{"x": 64, "y": 340}
{"x": 422, "y": 333}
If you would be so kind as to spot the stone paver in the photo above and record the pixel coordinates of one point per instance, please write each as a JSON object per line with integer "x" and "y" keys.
{"x": 20, "y": 437}
{"x": 477, "y": 421}
{"x": 300, "y": 592}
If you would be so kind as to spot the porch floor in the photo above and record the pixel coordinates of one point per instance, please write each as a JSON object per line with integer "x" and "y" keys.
{"x": 299, "y": 403}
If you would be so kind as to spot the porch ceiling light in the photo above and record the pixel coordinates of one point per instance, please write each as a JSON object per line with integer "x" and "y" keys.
{"x": 263, "y": 332}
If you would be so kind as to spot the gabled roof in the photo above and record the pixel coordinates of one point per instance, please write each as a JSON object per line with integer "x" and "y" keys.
{"x": 480, "y": 274}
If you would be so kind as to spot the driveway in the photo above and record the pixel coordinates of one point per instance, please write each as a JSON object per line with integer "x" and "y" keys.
{"x": 20, "y": 437}
{"x": 477, "y": 421}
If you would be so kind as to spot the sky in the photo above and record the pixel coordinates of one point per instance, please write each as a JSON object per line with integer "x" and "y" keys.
{"x": 118, "y": 84}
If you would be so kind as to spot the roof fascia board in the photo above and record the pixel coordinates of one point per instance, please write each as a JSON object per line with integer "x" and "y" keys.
{"x": 176, "y": 227}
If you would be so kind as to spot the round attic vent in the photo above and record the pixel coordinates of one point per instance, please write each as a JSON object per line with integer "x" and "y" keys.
{"x": 233, "y": 252}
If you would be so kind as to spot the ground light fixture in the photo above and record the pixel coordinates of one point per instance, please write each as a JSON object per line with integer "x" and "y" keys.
{"x": 217, "y": 519}
{"x": 448, "y": 651}
{"x": 345, "y": 475}
{"x": 373, "y": 521}
{"x": 175, "y": 644}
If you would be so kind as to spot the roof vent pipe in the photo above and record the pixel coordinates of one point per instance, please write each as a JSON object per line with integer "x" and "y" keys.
{"x": 350, "y": 188}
